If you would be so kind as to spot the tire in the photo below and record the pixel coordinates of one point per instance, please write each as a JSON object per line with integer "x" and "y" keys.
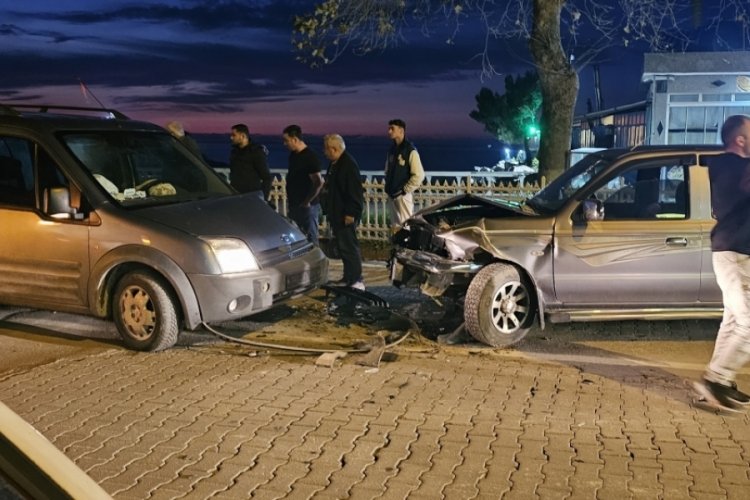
{"x": 145, "y": 312}
{"x": 500, "y": 306}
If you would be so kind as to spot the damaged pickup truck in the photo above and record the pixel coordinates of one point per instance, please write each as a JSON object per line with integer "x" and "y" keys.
{"x": 622, "y": 234}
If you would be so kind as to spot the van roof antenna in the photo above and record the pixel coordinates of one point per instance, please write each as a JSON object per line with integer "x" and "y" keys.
{"x": 86, "y": 91}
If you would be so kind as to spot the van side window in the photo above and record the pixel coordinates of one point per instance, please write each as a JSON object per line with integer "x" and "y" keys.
{"x": 16, "y": 173}
{"x": 19, "y": 180}
{"x": 48, "y": 174}
{"x": 657, "y": 191}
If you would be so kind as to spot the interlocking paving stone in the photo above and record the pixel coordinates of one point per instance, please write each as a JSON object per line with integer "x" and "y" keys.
{"x": 198, "y": 423}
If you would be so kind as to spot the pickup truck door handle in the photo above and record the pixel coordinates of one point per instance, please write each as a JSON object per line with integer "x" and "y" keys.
{"x": 677, "y": 242}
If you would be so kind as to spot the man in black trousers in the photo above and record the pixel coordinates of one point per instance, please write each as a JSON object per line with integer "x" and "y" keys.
{"x": 344, "y": 200}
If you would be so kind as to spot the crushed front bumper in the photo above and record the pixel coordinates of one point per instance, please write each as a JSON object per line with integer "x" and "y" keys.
{"x": 431, "y": 273}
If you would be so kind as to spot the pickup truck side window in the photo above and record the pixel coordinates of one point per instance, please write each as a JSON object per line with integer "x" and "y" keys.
{"x": 651, "y": 191}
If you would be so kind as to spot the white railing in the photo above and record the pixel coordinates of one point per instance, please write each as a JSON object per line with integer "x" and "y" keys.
{"x": 437, "y": 187}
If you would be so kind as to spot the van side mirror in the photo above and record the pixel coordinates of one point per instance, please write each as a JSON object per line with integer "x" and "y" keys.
{"x": 57, "y": 203}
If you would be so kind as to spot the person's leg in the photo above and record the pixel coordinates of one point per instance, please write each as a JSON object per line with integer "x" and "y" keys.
{"x": 307, "y": 220}
{"x": 295, "y": 215}
{"x": 336, "y": 238}
{"x": 725, "y": 332}
{"x": 313, "y": 217}
{"x": 405, "y": 205}
{"x": 346, "y": 237}
{"x": 732, "y": 350}
{"x": 392, "y": 213}
{"x": 399, "y": 210}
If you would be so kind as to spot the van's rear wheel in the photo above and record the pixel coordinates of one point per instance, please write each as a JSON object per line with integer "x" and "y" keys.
{"x": 145, "y": 313}
{"x": 500, "y": 306}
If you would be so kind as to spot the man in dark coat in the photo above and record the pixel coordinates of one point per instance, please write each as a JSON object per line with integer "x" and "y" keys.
{"x": 248, "y": 165}
{"x": 344, "y": 201}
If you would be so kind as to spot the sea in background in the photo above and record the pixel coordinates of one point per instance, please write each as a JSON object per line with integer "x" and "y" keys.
{"x": 437, "y": 155}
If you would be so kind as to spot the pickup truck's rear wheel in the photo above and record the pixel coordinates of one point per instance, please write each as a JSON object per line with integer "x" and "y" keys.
{"x": 500, "y": 306}
{"x": 145, "y": 313}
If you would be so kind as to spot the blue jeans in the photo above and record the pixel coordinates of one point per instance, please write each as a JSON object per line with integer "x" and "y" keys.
{"x": 307, "y": 220}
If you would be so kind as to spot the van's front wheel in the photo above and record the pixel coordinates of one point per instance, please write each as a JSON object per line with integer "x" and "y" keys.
{"x": 145, "y": 313}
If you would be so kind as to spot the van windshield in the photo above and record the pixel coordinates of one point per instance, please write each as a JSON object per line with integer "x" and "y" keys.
{"x": 144, "y": 168}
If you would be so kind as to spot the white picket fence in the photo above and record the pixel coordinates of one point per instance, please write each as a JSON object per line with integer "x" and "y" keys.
{"x": 437, "y": 187}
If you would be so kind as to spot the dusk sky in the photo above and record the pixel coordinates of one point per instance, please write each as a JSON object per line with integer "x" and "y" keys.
{"x": 214, "y": 63}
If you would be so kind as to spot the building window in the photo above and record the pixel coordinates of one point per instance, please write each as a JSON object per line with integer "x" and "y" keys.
{"x": 684, "y": 98}
{"x": 716, "y": 97}
{"x": 695, "y": 124}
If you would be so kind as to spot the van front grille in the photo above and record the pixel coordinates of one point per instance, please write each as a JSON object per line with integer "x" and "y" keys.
{"x": 285, "y": 253}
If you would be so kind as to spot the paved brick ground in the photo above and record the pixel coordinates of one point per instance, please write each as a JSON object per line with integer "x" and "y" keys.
{"x": 440, "y": 422}
{"x": 201, "y": 423}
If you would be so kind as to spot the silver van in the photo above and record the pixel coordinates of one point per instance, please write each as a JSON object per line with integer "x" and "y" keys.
{"x": 114, "y": 218}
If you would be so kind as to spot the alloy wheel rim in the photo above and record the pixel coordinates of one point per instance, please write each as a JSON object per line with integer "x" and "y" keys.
{"x": 510, "y": 307}
{"x": 138, "y": 312}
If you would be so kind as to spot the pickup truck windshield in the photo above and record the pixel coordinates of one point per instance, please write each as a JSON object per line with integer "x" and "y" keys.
{"x": 144, "y": 168}
{"x": 577, "y": 177}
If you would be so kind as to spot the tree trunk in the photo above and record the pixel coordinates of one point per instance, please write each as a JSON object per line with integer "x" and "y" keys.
{"x": 559, "y": 85}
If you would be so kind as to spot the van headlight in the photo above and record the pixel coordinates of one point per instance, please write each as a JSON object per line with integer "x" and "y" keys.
{"x": 232, "y": 255}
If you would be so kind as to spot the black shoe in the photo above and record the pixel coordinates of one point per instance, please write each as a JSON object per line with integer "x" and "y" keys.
{"x": 738, "y": 396}
{"x": 717, "y": 395}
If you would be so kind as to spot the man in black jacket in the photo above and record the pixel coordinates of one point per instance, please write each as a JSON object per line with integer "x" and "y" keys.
{"x": 344, "y": 200}
{"x": 248, "y": 166}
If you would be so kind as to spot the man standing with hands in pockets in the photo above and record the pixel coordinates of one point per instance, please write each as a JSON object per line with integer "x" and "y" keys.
{"x": 403, "y": 174}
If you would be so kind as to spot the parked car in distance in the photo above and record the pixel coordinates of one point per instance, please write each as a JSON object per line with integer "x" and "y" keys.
{"x": 114, "y": 218}
{"x": 622, "y": 234}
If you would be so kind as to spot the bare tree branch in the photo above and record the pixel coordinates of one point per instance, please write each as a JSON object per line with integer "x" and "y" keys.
{"x": 588, "y": 26}
{"x": 734, "y": 11}
{"x": 563, "y": 36}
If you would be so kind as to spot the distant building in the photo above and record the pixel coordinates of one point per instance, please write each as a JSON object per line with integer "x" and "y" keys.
{"x": 618, "y": 127}
{"x": 689, "y": 96}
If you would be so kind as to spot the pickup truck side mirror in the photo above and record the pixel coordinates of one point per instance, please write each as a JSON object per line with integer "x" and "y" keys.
{"x": 589, "y": 210}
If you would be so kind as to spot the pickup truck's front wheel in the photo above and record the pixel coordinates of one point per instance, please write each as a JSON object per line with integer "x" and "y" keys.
{"x": 145, "y": 313}
{"x": 499, "y": 307}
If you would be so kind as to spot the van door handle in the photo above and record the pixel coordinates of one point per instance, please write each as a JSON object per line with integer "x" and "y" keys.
{"x": 677, "y": 242}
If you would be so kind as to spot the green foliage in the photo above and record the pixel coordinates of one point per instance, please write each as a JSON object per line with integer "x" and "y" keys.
{"x": 511, "y": 116}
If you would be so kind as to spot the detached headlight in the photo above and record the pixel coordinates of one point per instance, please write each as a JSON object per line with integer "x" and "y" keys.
{"x": 233, "y": 255}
